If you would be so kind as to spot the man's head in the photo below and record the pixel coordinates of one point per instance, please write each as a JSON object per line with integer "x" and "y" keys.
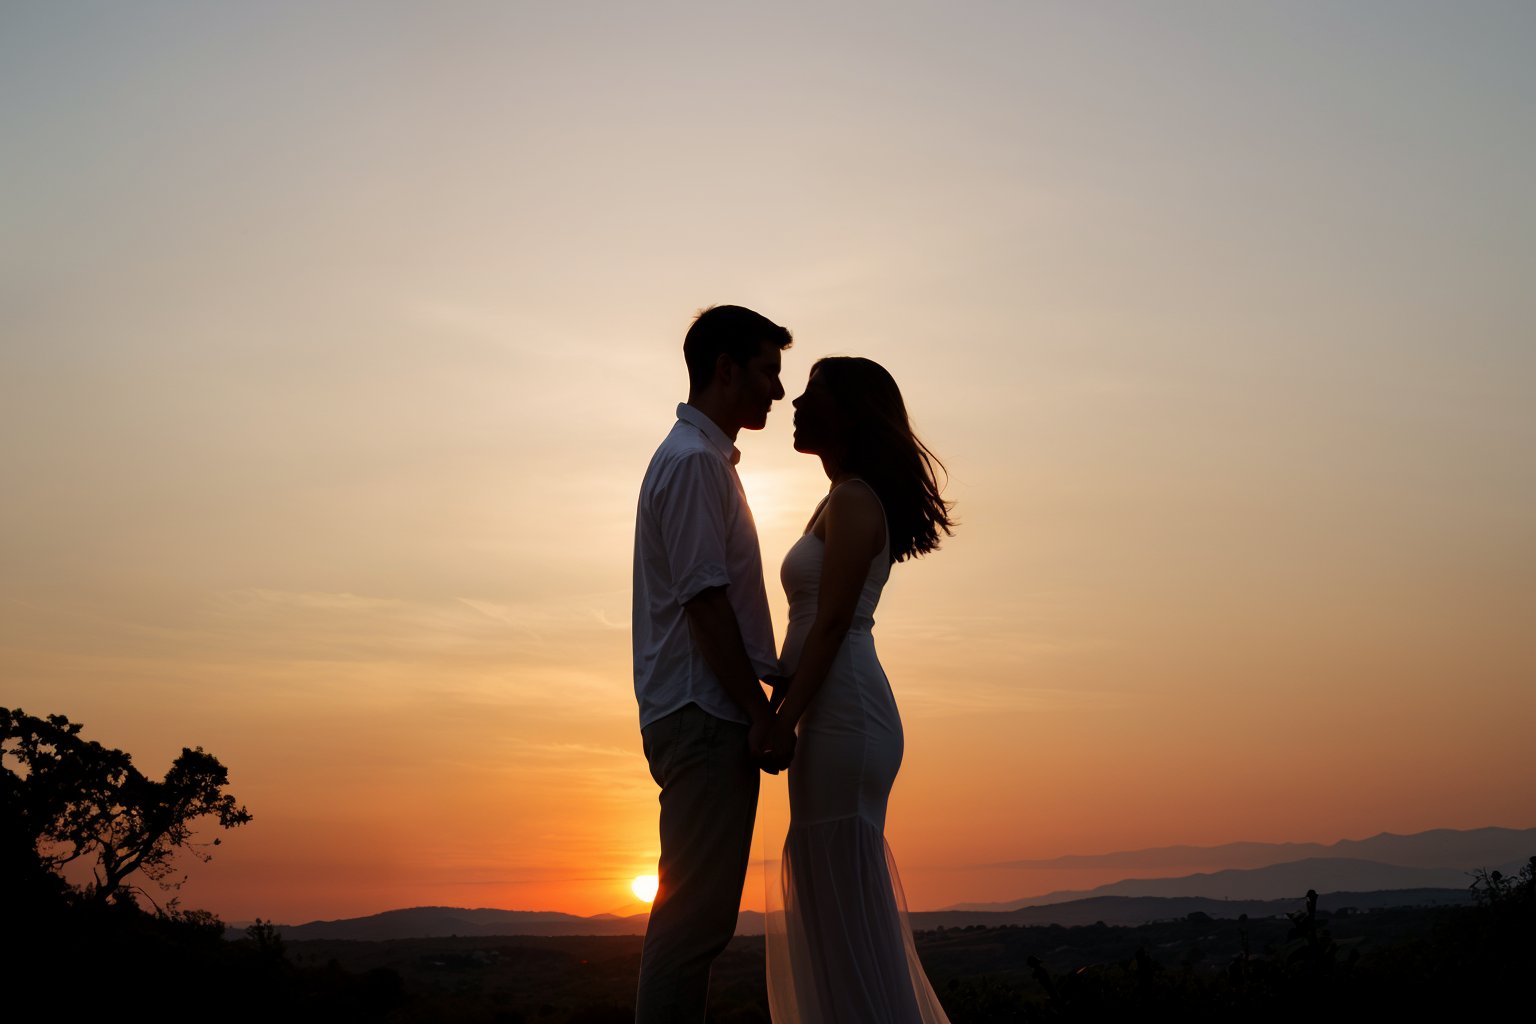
{"x": 733, "y": 357}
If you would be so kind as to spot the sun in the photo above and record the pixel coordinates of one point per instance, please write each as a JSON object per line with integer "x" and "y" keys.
{"x": 644, "y": 887}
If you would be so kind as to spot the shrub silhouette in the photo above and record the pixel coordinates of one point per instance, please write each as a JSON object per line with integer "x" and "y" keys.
{"x": 65, "y": 799}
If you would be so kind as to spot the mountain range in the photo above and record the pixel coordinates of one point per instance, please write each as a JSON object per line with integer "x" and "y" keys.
{"x": 1441, "y": 847}
{"x": 439, "y": 922}
{"x": 1439, "y": 858}
{"x": 1257, "y": 879}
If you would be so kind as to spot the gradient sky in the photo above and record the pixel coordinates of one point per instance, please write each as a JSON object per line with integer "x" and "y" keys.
{"x": 337, "y": 336}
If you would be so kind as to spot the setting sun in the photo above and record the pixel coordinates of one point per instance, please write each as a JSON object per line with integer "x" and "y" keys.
{"x": 644, "y": 887}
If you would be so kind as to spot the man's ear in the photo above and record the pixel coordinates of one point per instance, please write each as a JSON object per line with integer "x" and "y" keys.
{"x": 725, "y": 370}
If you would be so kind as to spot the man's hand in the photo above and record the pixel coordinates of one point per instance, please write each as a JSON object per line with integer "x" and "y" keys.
{"x": 757, "y": 739}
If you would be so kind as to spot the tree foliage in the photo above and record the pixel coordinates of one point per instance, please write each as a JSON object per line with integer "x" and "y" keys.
{"x": 65, "y": 799}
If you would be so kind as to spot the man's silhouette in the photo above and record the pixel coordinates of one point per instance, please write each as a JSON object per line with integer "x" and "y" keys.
{"x": 703, "y": 640}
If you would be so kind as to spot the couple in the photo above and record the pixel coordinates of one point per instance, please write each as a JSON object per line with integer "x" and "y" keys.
{"x": 839, "y": 949}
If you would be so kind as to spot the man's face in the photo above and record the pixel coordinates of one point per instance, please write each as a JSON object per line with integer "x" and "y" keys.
{"x": 758, "y": 386}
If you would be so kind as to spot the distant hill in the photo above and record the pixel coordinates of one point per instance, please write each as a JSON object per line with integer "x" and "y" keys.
{"x": 442, "y": 922}
{"x": 1466, "y": 849}
{"x": 439, "y": 922}
{"x": 1440, "y": 858}
{"x": 1278, "y": 881}
{"x": 1138, "y": 910}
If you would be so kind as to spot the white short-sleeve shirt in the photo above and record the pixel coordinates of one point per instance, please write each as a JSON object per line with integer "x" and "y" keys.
{"x": 693, "y": 531}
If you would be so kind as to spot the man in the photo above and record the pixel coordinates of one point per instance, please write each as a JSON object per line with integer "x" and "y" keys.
{"x": 703, "y": 640}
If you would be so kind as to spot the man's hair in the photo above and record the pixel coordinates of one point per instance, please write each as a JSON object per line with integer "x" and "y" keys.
{"x": 733, "y": 331}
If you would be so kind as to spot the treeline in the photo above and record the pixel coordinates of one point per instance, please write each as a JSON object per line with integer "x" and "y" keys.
{"x": 82, "y": 832}
{"x": 1462, "y": 962}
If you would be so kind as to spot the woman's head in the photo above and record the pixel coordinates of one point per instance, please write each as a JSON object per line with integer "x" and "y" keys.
{"x": 852, "y": 415}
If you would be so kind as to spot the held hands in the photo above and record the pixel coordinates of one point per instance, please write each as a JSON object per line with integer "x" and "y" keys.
{"x": 771, "y": 738}
{"x": 772, "y": 744}
{"x": 781, "y": 744}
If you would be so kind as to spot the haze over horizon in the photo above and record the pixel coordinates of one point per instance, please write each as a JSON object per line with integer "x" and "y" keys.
{"x": 1436, "y": 859}
{"x": 336, "y": 339}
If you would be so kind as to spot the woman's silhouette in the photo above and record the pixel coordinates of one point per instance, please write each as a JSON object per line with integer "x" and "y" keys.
{"x": 839, "y": 946}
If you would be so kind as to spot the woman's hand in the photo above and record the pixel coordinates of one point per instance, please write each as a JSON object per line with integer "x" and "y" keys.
{"x": 778, "y": 689}
{"x": 780, "y": 746}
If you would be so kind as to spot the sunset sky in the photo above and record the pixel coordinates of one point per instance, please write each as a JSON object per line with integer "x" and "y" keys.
{"x": 336, "y": 337}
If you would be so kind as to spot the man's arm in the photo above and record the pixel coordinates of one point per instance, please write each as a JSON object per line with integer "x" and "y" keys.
{"x": 691, "y": 513}
{"x": 715, "y": 631}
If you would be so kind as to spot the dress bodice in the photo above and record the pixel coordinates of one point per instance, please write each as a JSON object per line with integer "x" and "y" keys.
{"x": 801, "y": 576}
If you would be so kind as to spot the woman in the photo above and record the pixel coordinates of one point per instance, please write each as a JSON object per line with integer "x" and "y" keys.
{"x": 839, "y": 947}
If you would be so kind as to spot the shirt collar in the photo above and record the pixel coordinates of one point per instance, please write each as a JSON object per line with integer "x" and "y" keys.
{"x": 710, "y": 429}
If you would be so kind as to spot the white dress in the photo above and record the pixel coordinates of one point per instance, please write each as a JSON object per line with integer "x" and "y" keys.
{"x": 840, "y": 948}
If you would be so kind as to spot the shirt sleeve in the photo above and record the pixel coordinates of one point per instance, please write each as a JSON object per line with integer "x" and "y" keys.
{"x": 691, "y": 510}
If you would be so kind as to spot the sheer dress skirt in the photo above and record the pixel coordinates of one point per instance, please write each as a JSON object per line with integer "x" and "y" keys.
{"x": 840, "y": 947}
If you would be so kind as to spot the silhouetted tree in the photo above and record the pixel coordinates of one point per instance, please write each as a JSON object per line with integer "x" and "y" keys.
{"x": 65, "y": 799}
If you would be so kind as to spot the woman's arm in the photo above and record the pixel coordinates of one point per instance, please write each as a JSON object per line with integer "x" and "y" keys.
{"x": 854, "y": 522}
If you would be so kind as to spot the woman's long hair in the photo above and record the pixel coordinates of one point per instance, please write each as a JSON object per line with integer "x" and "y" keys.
{"x": 881, "y": 448}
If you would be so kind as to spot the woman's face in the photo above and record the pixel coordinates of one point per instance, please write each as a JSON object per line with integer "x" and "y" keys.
{"x": 818, "y": 421}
